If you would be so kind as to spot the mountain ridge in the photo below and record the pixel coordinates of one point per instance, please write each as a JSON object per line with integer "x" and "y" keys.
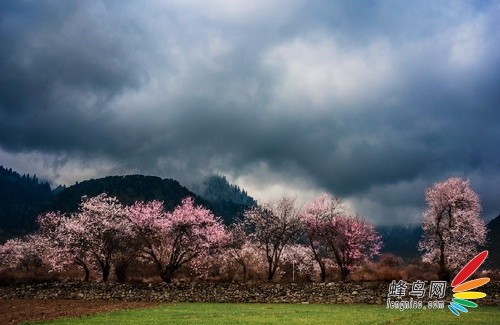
{"x": 22, "y": 198}
{"x": 127, "y": 188}
{"x": 228, "y": 199}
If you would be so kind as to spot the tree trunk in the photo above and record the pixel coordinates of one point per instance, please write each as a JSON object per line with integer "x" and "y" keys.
{"x": 245, "y": 272}
{"x": 445, "y": 276}
{"x": 105, "y": 272}
{"x": 443, "y": 272}
{"x": 344, "y": 272}
{"x": 321, "y": 263}
{"x": 86, "y": 271}
{"x": 166, "y": 276}
{"x": 121, "y": 272}
{"x": 322, "y": 268}
{"x": 270, "y": 271}
{"x": 168, "y": 273}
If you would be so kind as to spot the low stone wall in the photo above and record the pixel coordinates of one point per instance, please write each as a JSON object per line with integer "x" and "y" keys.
{"x": 343, "y": 293}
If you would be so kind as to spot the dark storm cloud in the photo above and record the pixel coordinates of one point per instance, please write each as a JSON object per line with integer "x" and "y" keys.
{"x": 372, "y": 101}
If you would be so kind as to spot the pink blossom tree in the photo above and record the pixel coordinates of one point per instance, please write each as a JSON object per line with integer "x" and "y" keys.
{"x": 52, "y": 246}
{"x": 65, "y": 246}
{"x": 354, "y": 240}
{"x": 335, "y": 234}
{"x": 452, "y": 226}
{"x": 23, "y": 253}
{"x": 171, "y": 240}
{"x": 272, "y": 227}
{"x": 318, "y": 217}
{"x": 101, "y": 229}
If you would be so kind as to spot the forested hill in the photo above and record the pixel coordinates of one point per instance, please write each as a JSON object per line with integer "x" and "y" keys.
{"x": 400, "y": 240}
{"x": 131, "y": 188}
{"x": 218, "y": 188}
{"x": 493, "y": 244}
{"x": 22, "y": 198}
{"x": 228, "y": 200}
{"x": 127, "y": 189}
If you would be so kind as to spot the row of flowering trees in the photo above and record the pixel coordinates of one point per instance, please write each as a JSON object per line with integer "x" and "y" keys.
{"x": 107, "y": 237}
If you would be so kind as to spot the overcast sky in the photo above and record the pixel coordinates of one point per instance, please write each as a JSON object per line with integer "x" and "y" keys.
{"x": 372, "y": 101}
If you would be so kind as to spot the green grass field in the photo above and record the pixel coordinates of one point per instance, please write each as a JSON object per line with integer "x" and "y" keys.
{"x": 208, "y": 313}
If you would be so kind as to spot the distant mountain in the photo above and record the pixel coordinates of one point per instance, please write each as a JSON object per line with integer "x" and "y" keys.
{"x": 218, "y": 188}
{"x": 127, "y": 189}
{"x": 493, "y": 245}
{"x": 131, "y": 188}
{"x": 400, "y": 240}
{"x": 228, "y": 200}
{"x": 22, "y": 198}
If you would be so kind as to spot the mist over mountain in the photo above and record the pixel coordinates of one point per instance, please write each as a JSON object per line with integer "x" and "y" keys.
{"x": 217, "y": 188}
{"x": 228, "y": 200}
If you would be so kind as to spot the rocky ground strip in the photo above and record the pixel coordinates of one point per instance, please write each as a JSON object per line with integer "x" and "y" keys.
{"x": 343, "y": 293}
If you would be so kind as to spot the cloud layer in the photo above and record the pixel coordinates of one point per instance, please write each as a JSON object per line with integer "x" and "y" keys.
{"x": 372, "y": 101}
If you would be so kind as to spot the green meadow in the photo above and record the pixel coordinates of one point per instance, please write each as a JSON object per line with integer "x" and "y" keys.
{"x": 211, "y": 313}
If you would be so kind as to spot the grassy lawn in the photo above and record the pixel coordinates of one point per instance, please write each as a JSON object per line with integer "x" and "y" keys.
{"x": 208, "y": 313}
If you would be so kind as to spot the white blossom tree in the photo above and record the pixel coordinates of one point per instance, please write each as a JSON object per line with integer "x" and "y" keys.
{"x": 452, "y": 226}
{"x": 273, "y": 227}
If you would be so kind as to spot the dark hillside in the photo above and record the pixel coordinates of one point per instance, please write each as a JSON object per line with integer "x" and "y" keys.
{"x": 127, "y": 189}
{"x": 493, "y": 244}
{"x": 401, "y": 241}
{"x": 228, "y": 201}
{"x": 22, "y": 198}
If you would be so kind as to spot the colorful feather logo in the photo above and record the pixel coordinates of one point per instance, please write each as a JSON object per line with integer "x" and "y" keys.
{"x": 462, "y": 294}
